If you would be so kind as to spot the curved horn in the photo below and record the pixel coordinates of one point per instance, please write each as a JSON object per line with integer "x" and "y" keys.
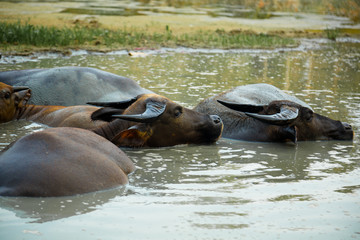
{"x": 242, "y": 107}
{"x": 120, "y": 105}
{"x": 152, "y": 112}
{"x": 285, "y": 117}
{"x": 20, "y": 88}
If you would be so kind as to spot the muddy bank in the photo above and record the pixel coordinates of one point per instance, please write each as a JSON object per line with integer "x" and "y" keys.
{"x": 33, "y": 56}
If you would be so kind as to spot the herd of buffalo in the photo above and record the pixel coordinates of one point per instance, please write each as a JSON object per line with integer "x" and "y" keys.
{"x": 81, "y": 153}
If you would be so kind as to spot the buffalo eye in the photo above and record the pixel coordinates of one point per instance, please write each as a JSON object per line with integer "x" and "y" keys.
{"x": 7, "y": 95}
{"x": 178, "y": 112}
{"x": 309, "y": 115}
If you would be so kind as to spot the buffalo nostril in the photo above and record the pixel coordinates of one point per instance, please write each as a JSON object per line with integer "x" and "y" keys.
{"x": 216, "y": 119}
{"x": 347, "y": 126}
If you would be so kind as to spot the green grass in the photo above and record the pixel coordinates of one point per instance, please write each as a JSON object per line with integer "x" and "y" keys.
{"x": 39, "y": 36}
{"x": 332, "y": 34}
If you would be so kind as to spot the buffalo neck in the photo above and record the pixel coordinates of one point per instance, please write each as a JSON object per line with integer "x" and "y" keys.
{"x": 36, "y": 113}
{"x": 110, "y": 130}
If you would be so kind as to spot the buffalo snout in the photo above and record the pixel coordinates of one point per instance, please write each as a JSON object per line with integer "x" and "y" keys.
{"x": 346, "y": 134}
{"x": 216, "y": 119}
{"x": 347, "y": 126}
{"x": 213, "y": 133}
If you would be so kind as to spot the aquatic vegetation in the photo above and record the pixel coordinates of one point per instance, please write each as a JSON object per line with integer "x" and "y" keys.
{"x": 332, "y": 34}
{"x": 89, "y": 37}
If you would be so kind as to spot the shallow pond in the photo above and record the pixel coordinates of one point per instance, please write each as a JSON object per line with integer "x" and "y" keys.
{"x": 229, "y": 190}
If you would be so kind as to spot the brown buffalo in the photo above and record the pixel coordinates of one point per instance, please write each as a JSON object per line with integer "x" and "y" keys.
{"x": 61, "y": 162}
{"x": 155, "y": 120}
{"x": 13, "y": 103}
{"x": 66, "y": 161}
{"x": 261, "y": 112}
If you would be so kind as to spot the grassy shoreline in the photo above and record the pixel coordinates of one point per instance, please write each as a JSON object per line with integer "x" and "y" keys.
{"x": 24, "y": 37}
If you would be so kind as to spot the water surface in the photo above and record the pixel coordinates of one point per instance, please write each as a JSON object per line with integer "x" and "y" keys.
{"x": 228, "y": 190}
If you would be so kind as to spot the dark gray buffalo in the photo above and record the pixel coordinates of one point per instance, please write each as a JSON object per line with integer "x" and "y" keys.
{"x": 261, "y": 112}
{"x": 69, "y": 86}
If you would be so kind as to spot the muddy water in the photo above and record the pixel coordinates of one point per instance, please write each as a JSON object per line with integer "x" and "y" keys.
{"x": 229, "y": 190}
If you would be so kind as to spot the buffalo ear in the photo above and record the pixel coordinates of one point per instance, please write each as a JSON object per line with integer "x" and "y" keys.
{"x": 20, "y": 88}
{"x": 105, "y": 114}
{"x": 22, "y": 96}
{"x": 242, "y": 107}
{"x": 290, "y": 133}
{"x": 136, "y": 136}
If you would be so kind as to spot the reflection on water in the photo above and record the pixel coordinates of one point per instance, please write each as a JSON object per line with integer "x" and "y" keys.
{"x": 228, "y": 190}
{"x": 50, "y": 209}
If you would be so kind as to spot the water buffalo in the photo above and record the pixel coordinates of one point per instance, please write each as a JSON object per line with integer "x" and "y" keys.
{"x": 61, "y": 162}
{"x": 14, "y": 105}
{"x": 261, "y": 112}
{"x": 146, "y": 120}
{"x": 154, "y": 121}
{"x": 67, "y": 86}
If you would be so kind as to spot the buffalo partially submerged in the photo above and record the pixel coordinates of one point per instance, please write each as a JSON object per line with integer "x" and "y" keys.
{"x": 154, "y": 121}
{"x": 14, "y": 106}
{"x": 67, "y": 161}
{"x": 69, "y": 86}
{"x": 261, "y": 112}
{"x": 146, "y": 120}
{"x": 61, "y": 162}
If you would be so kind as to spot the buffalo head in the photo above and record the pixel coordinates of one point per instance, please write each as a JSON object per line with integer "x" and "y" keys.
{"x": 12, "y": 99}
{"x": 155, "y": 121}
{"x": 302, "y": 121}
